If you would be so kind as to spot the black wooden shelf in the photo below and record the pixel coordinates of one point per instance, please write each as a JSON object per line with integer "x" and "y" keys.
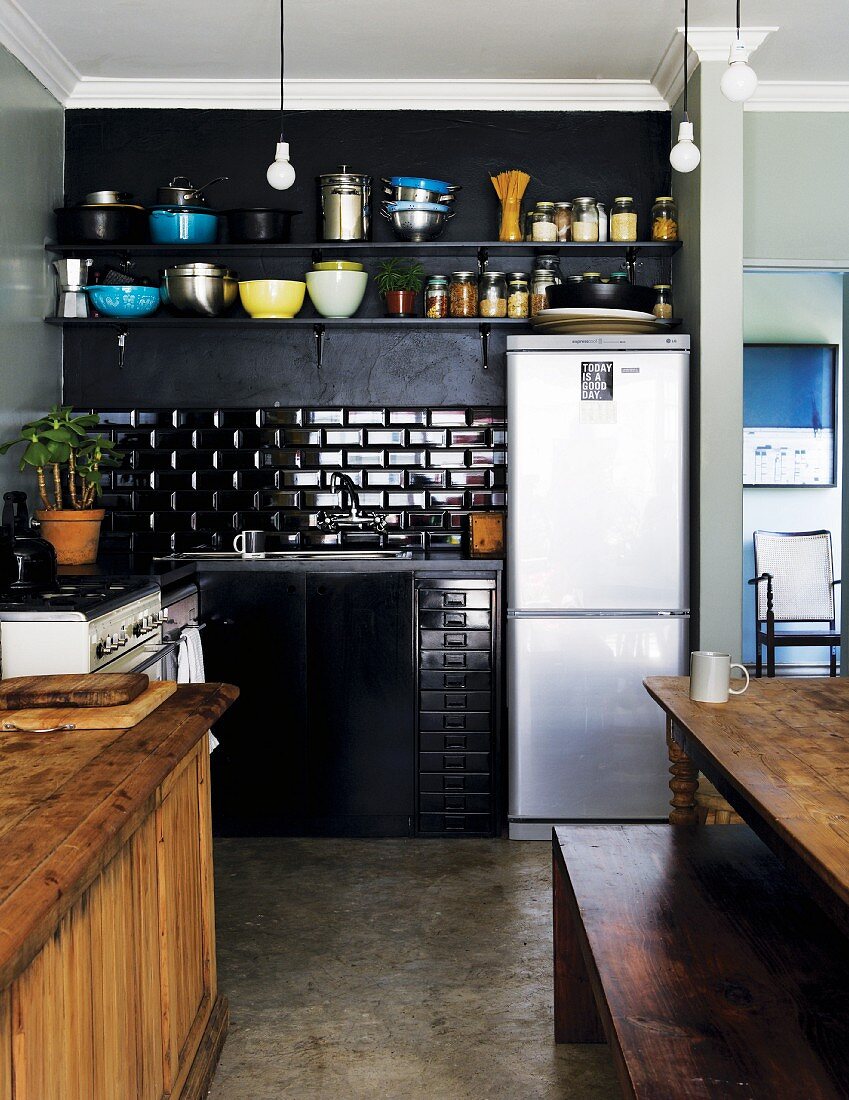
{"x": 278, "y": 322}
{"x": 368, "y": 248}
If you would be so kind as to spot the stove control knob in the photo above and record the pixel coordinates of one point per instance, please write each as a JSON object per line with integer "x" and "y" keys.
{"x": 137, "y": 629}
{"x": 123, "y": 638}
{"x": 99, "y": 649}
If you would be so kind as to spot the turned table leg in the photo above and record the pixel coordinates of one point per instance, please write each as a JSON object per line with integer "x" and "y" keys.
{"x": 683, "y": 784}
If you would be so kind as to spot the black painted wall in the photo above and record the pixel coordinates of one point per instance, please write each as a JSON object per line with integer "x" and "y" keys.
{"x": 592, "y": 153}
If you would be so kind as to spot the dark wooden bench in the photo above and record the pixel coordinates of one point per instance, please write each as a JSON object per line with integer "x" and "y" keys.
{"x": 701, "y": 961}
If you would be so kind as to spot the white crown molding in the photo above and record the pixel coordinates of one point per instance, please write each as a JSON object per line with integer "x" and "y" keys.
{"x": 798, "y": 95}
{"x": 706, "y": 44}
{"x": 408, "y": 95}
{"x": 28, "y": 43}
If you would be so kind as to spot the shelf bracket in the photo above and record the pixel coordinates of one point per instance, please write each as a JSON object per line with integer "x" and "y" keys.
{"x": 631, "y": 265}
{"x": 483, "y": 260}
{"x": 318, "y": 335}
{"x": 123, "y": 333}
{"x": 485, "y": 331}
{"x": 317, "y": 254}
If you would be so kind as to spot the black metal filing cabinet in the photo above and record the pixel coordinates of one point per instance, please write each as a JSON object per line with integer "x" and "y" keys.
{"x": 459, "y": 694}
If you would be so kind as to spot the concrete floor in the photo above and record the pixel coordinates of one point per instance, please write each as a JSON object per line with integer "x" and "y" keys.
{"x": 394, "y": 970}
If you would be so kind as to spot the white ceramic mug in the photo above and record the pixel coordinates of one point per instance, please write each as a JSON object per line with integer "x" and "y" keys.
{"x": 710, "y": 677}
{"x": 252, "y": 544}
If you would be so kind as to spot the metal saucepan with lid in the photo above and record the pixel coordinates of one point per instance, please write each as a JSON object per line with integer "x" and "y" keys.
{"x": 180, "y": 192}
{"x": 344, "y": 205}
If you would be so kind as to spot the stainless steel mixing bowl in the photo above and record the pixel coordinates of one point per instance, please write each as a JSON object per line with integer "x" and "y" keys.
{"x": 208, "y": 295}
{"x": 416, "y": 225}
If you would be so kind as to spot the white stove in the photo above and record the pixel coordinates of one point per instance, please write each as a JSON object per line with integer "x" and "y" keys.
{"x": 89, "y": 624}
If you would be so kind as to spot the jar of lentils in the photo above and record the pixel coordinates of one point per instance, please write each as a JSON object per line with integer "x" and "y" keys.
{"x": 584, "y": 220}
{"x": 517, "y": 295}
{"x": 623, "y": 219}
{"x": 492, "y": 294}
{"x": 542, "y": 279}
{"x": 463, "y": 294}
{"x": 436, "y": 296}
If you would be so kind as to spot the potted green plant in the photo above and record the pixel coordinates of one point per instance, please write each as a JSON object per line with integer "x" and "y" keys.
{"x": 399, "y": 281}
{"x": 67, "y": 460}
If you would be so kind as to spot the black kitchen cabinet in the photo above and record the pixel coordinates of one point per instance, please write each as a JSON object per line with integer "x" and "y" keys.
{"x": 321, "y": 741}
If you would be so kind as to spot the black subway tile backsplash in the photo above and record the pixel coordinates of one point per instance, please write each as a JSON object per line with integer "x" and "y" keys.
{"x": 193, "y": 478}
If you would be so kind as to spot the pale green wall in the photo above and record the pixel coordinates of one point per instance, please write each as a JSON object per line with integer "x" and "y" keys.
{"x": 708, "y": 276}
{"x": 31, "y": 160}
{"x": 797, "y": 180}
{"x": 796, "y": 308}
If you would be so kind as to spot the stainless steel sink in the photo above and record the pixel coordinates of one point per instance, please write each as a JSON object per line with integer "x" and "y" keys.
{"x": 286, "y": 555}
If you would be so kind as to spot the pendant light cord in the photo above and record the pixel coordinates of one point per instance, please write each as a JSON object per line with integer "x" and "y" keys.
{"x": 738, "y": 20}
{"x": 686, "y": 31}
{"x": 282, "y": 64}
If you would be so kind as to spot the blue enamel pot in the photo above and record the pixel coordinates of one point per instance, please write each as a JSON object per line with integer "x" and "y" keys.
{"x": 181, "y": 226}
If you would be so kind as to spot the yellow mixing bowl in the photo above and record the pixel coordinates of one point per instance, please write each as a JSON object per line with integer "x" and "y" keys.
{"x": 337, "y": 265}
{"x": 272, "y": 297}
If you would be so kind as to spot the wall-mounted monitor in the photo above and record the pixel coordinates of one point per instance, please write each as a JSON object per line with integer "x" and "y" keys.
{"x": 789, "y": 414}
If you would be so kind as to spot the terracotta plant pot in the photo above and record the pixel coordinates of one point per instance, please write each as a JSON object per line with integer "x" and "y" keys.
{"x": 401, "y": 303}
{"x": 74, "y": 534}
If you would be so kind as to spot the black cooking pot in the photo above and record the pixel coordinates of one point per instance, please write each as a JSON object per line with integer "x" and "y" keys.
{"x": 601, "y": 295}
{"x": 259, "y": 225}
{"x": 107, "y": 224}
{"x": 33, "y": 568}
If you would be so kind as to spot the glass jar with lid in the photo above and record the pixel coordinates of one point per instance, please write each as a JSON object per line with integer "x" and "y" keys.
{"x": 623, "y": 219}
{"x": 563, "y": 220}
{"x": 492, "y": 294}
{"x": 619, "y": 278}
{"x": 436, "y": 296}
{"x": 542, "y": 223}
{"x": 662, "y": 308}
{"x": 584, "y": 220}
{"x": 542, "y": 279}
{"x": 517, "y": 295}
{"x": 463, "y": 294}
{"x": 549, "y": 261}
{"x": 574, "y": 279}
{"x": 664, "y": 219}
{"x": 592, "y": 277}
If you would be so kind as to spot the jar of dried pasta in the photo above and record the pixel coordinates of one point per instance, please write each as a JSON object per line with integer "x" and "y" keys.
{"x": 623, "y": 219}
{"x": 463, "y": 294}
{"x": 584, "y": 220}
{"x": 517, "y": 295}
{"x": 542, "y": 279}
{"x": 492, "y": 294}
{"x": 664, "y": 219}
{"x": 436, "y": 297}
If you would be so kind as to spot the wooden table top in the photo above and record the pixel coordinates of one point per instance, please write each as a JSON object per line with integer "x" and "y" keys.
{"x": 780, "y": 755}
{"x": 70, "y": 801}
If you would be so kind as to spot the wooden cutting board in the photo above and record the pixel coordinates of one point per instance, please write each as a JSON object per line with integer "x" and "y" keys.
{"x": 129, "y": 714}
{"x": 93, "y": 689}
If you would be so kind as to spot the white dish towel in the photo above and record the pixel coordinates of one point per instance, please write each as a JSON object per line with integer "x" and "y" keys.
{"x": 190, "y": 665}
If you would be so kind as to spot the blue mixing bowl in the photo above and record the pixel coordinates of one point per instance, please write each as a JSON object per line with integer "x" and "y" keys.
{"x": 124, "y": 301}
{"x": 180, "y": 226}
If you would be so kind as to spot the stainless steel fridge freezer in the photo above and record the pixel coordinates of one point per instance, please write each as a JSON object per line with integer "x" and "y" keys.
{"x": 597, "y": 536}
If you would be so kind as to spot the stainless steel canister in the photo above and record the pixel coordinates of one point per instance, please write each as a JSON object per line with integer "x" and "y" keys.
{"x": 344, "y": 205}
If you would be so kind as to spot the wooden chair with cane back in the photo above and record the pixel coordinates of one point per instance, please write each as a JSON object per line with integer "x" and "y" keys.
{"x": 794, "y": 583}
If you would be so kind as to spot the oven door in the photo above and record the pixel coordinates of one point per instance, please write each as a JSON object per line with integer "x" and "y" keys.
{"x": 157, "y": 659}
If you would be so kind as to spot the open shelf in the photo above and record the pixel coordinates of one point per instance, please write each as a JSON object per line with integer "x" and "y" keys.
{"x": 371, "y": 248}
{"x": 282, "y": 322}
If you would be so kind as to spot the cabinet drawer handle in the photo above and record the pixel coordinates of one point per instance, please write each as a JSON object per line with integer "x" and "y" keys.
{"x": 453, "y": 782}
{"x": 290, "y": 588}
{"x": 454, "y": 680}
{"x": 455, "y": 802}
{"x": 455, "y": 660}
{"x": 454, "y": 599}
{"x": 322, "y": 590}
{"x": 454, "y": 640}
{"x": 453, "y": 721}
{"x": 454, "y": 824}
{"x": 456, "y": 763}
{"x": 454, "y": 618}
{"x": 455, "y": 702}
{"x": 455, "y": 741}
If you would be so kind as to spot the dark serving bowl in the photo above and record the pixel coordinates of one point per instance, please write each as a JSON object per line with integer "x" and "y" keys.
{"x": 259, "y": 225}
{"x": 601, "y": 296}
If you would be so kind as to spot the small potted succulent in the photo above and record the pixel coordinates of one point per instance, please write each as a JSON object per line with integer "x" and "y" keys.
{"x": 67, "y": 461}
{"x": 399, "y": 281}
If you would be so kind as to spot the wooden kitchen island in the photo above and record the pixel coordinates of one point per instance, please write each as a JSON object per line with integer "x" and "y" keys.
{"x": 107, "y": 936}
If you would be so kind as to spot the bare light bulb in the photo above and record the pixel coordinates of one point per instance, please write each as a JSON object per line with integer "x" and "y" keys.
{"x": 685, "y": 155}
{"x": 739, "y": 81}
{"x": 281, "y": 174}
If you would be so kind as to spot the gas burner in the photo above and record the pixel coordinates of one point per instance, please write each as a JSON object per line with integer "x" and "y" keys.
{"x": 76, "y": 598}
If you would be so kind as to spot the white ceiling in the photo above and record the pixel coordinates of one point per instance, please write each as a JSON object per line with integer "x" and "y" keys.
{"x": 528, "y": 52}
